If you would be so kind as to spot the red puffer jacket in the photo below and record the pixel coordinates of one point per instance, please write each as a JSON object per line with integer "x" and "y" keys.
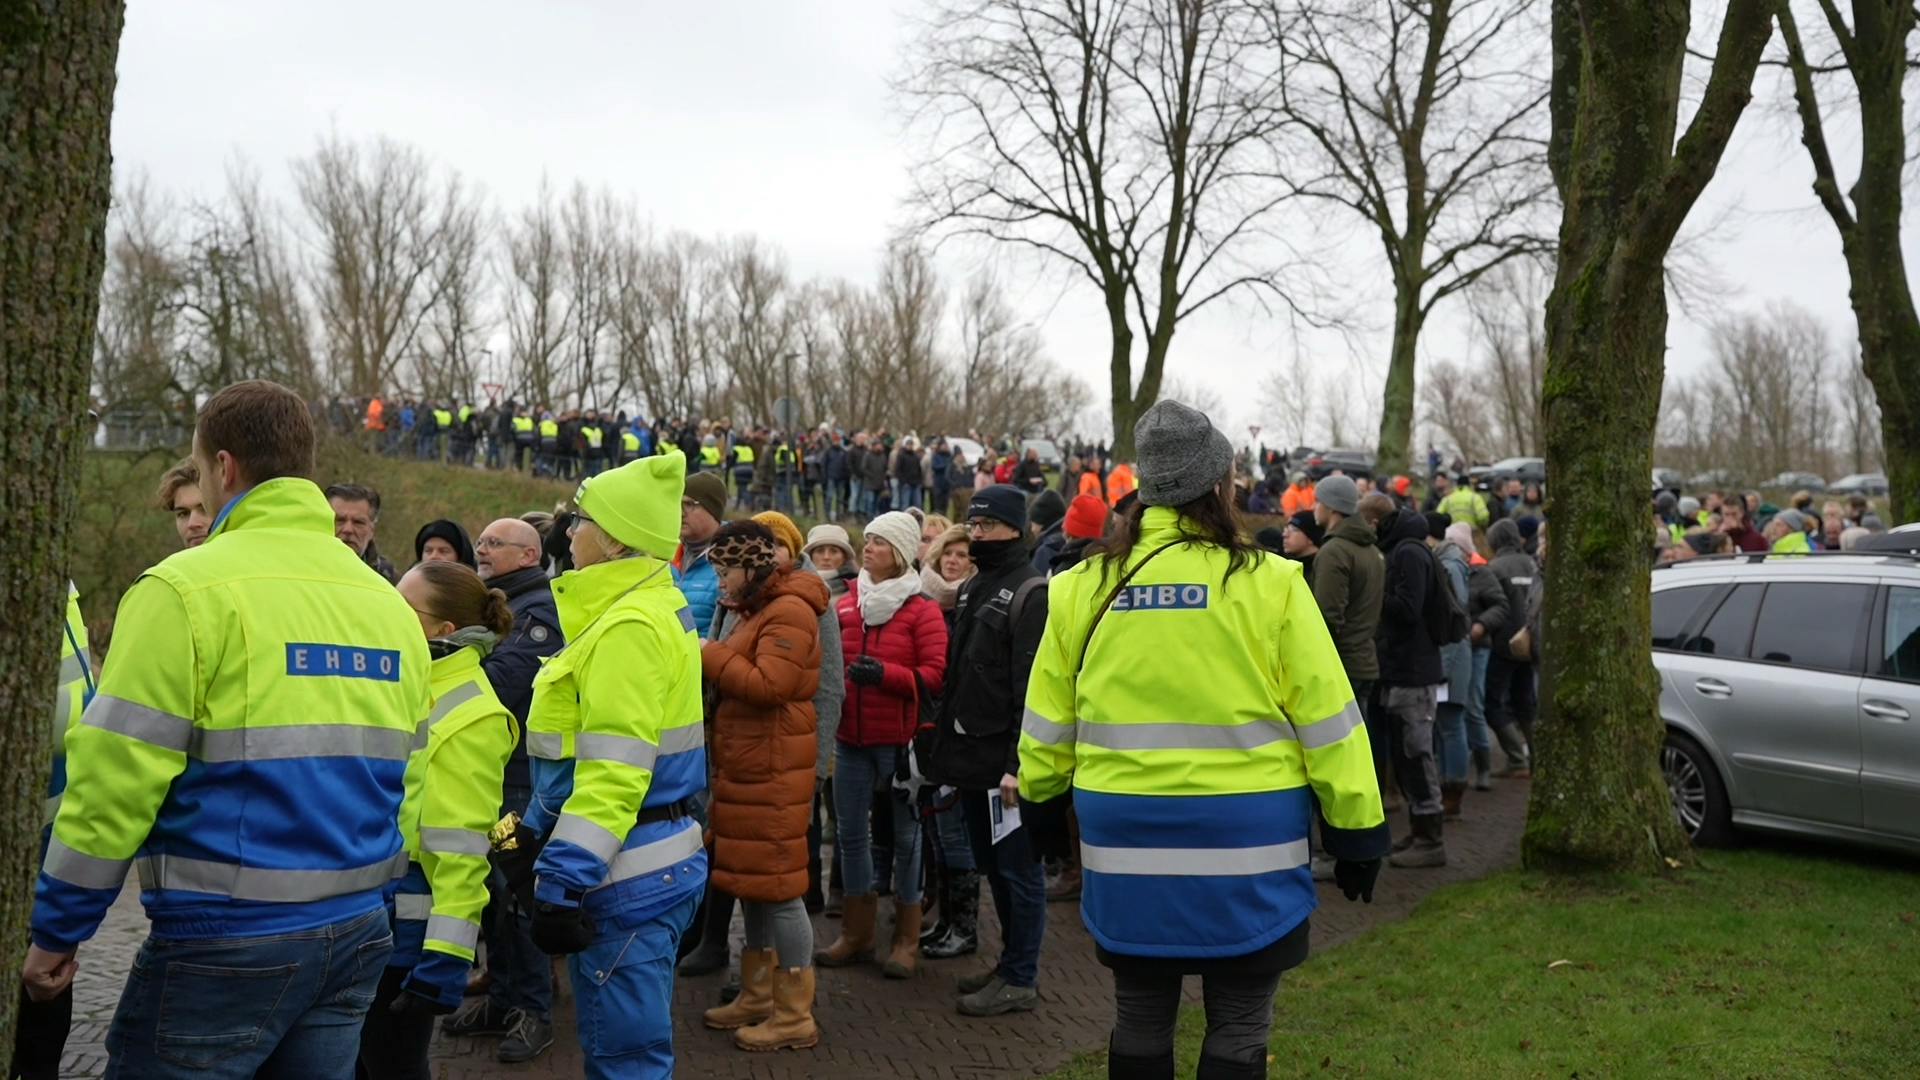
{"x": 913, "y": 641}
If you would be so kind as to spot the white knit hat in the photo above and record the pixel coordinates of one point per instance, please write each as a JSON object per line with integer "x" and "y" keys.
{"x": 901, "y": 531}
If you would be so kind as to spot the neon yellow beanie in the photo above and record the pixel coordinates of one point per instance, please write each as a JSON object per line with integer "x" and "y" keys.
{"x": 638, "y": 503}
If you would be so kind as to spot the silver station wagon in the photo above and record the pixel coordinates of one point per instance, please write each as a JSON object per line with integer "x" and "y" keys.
{"x": 1790, "y": 689}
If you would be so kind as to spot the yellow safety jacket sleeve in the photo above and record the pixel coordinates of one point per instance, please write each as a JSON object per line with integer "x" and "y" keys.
{"x": 123, "y": 756}
{"x": 459, "y": 803}
{"x": 1326, "y": 720}
{"x": 618, "y": 740}
{"x": 1047, "y": 731}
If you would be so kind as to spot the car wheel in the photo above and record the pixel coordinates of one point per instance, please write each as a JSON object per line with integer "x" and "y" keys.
{"x": 1699, "y": 798}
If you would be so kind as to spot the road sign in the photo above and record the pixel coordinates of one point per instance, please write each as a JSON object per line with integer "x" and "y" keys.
{"x": 786, "y": 413}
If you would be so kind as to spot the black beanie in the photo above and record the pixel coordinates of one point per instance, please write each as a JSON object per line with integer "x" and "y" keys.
{"x": 1047, "y": 509}
{"x": 1437, "y": 524}
{"x": 1001, "y": 502}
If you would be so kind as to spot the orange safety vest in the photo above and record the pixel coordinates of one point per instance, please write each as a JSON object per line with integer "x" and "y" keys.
{"x": 1120, "y": 483}
{"x": 376, "y": 416}
{"x": 1297, "y": 499}
{"x": 1090, "y": 483}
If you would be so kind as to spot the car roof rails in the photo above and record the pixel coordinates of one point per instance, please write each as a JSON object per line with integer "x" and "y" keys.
{"x": 1911, "y": 555}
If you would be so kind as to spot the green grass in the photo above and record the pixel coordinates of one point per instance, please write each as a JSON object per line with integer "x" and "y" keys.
{"x": 1759, "y": 963}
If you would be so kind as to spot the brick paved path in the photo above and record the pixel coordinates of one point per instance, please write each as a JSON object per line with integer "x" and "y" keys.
{"x": 872, "y": 1027}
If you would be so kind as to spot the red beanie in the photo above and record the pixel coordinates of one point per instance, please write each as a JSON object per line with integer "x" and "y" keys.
{"x": 1086, "y": 518}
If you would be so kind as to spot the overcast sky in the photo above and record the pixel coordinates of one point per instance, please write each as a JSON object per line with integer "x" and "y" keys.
{"x": 755, "y": 116}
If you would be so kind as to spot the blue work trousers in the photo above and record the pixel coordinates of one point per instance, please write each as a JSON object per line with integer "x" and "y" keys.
{"x": 285, "y": 1007}
{"x": 623, "y": 991}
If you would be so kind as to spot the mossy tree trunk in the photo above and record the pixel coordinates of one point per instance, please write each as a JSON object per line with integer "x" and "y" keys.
{"x": 56, "y": 99}
{"x": 1875, "y": 54}
{"x": 1598, "y": 801}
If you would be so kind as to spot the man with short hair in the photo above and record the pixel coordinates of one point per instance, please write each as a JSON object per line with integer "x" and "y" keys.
{"x": 519, "y": 1003}
{"x": 248, "y": 745}
{"x": 1410, "y": 674}
{"x": 180, "y": 496}
{"x": 997, "y": 623}
{"x": 1349, "y": 576}
{"x": 1734, "y": 523}
{"x": 356, "y": 513}
{"x": 702, "y": 509}
{"x": 1462, "y": 503}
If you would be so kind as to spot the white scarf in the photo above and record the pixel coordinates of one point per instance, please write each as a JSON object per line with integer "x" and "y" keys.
{"x": 880, "y": 601}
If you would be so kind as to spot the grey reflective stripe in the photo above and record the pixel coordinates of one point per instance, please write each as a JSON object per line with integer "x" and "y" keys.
{"x": 682, "y": 739}
{"x": 1248, "y": 736}
{"x": 580, "y": 832}
{"x": 72, "y": 668}
{"x": 686, "y": 620}
{"x": 596, "y": 747}
{"x": 452, "y": 700}
{"x": 454, "y": 842}
{"x": 299, "y": 741}
{"x": 142, "y": 722}
{"x": 1194, "y": 862}
{"x": 49, "y": 809}
{"x": 655, "y": 857}
{"x": 260, "y": 883}
{"x": 62, "y": 715}
{"x": 86, "y": 871}
{"x": 1331, "y": 730}
{"x": 1045, "y": 731}
{"x": 546, "y": 745}
{"x": 453, "y": 931}
{"x": 412, "y": 906}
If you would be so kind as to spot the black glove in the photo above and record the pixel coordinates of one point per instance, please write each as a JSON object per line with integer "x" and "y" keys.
{"x": 866, "y": 671}
{"x": 1356, "y": 878}
{"x": 559, "y": 930}
{"x": 412, "y": 1003}
{"x": 1046, "y": 825}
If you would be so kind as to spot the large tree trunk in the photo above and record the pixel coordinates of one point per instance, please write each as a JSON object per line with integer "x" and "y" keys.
{"x": 1120, "y": 373}
{"x": 1396, "y": 413}
{"x": 56, "y": 99}
{"x": 1598, "y": 801}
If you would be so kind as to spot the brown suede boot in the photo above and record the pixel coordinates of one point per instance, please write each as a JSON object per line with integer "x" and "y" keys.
{"x": 903, "y": 962}
{"x": 755, "y": 1002}
{"x": 1450, "y": 796}
{"x": 856, "y": 934}
{"x": 792, "y": 1026}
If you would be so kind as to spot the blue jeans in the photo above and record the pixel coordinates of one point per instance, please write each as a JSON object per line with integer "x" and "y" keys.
{"x": 1478, "y": 736}
{"x": 286, "y": 1007}
{"x": 1450, "y": 724}
{"x": 1019, "y": 887}
{"x": 910, "y": 495}
{"x": 623, "y": 990}
{"x": 956, "y": 849}
{"x": 858, "y": 773}
{"x": 522, "y": 974}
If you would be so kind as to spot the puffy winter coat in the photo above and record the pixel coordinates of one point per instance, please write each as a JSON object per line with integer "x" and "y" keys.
{"x": 913, "y": 642}
{"x": 700, "y": 584}
{"x": 765, "y": 675}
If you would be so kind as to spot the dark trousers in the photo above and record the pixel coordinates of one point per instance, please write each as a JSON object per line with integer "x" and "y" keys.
{"x": 522, "y": 974}
{"x": 394, "y": 1047}
{"x": 40, "y": 1036}
{"x": 1510, "y": 694}
{"x": 1239, "y": 1015}
{"x": 1019, "y": 885}
{"x": 814, "y": 895}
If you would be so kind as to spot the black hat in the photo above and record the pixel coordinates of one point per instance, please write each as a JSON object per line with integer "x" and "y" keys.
{"x": 1272, "y": 539}
{"x": 1437, "y": 523}
{"x": 1001, "y": 502}
{"x": 1047, "y": 509}
{"x": 1304, "y": 521}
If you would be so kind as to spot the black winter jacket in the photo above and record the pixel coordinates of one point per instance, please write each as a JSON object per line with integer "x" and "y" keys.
{"x": 1408, "y": 656}
{"x": 513, "y": 663}
{"x": 988, "y": 660}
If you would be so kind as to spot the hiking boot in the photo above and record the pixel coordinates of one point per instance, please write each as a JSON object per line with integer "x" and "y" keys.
{"x": 791, "y": 1026}
{"x": 1428, "y": 850}
{"x": 962, "y": 905}
{"x": 939, "y": 927}
{"x": 1067, "y": 886}
{"x": 903, "y": 959}
{"x": 755, "y": 1002}
{"x": 1403, "y": 843}
{"x": 973, "y": 984}
{"x": 1322, "y": 867}
{"x": 478, "y": 1019}
{"x": 856, "y": 935}
{"x": 1451, "y": 795}
{"x": 1483, "y": 770}
{"x": 530, "y": 1037}
{"x": 997, "y": 999}
{"x": 1519, "y": 756}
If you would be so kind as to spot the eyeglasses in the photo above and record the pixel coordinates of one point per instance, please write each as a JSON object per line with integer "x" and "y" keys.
{"x": 494, "y": 543}
{"x": 984, "y": 525}
{"x": 579, "y": 519}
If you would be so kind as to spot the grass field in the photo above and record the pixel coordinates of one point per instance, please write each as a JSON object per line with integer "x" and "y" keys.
{"x": 1760, "y": 963}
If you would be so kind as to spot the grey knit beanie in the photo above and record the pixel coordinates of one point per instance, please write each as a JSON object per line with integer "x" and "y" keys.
{"x": 1338, "y": 494}
{"x": 1182, "y": 455}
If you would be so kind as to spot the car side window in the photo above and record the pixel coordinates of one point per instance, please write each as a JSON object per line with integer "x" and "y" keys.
{"x": 1673, "y": 610}
{"x": 1731, "y": 628}
{"x": 1900, "y": 649}
{"x": 1811, "y": 625}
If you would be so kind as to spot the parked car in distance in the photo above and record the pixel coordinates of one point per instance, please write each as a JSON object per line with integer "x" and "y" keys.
{"x": 1790, "y": 692}
{"x": 1712, "y": 478}
{"x": 1668, "y": 480}
{"x": 972, "y": 450}
{"x": 1871, "y": 483}
{"x": 1796, "y": 481}
{"x": 1530, "y": 469}
{"x": 1049, "y": 453}
{"x": 1349, "y": 461}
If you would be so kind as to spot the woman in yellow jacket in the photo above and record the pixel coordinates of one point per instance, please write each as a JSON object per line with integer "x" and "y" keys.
{"x": 1189, "y": 695}
{"x": 452, "y": 798}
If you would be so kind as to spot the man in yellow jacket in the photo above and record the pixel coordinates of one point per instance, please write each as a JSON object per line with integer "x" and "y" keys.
{"x": 247, "y": 749}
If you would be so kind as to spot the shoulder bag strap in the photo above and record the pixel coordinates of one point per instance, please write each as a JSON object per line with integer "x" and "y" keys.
{"x": 1115, "y": 595}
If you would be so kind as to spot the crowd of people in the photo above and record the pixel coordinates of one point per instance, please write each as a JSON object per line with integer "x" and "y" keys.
{"x": 376, "y": 803}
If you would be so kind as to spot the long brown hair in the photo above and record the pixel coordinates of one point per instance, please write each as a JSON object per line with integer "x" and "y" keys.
{"x": 1210, "y": 519}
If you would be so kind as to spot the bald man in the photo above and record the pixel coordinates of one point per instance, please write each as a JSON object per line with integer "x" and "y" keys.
{"x": 519, "y": 1001}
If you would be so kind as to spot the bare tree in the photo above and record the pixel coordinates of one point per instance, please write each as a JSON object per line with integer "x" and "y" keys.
{"x": 590, "y": 227}
{"x": 1507, "y": 308}
{"x": 1289, "y": 394}
{"x": 1127, "y": 141}
{"x": 754, "y": 334}
{"x": 910, "y": 292}
{"x": 1875, "y": 52}
{"x": 536, "y": 305}
{"x": 1627, "y": 178}
{"x": 382, "y": 228}
{"x": 447, "y": 365}
{"x": 1860, "y": 418}
{"x": 1768, "y": 385}
{"x": 134, "y": 346}
{"x": 56, "y": 108}
{"x": 1456, "y": 405}
{"x": 1430, "y": 116}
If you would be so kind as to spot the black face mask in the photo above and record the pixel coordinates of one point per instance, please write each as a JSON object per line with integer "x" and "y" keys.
{"x": 992, "y": 555}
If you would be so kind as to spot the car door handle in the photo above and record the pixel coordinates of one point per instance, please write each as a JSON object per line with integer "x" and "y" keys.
{"x": 1713, "y": 688}
{"x": 1884, "y": 710}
